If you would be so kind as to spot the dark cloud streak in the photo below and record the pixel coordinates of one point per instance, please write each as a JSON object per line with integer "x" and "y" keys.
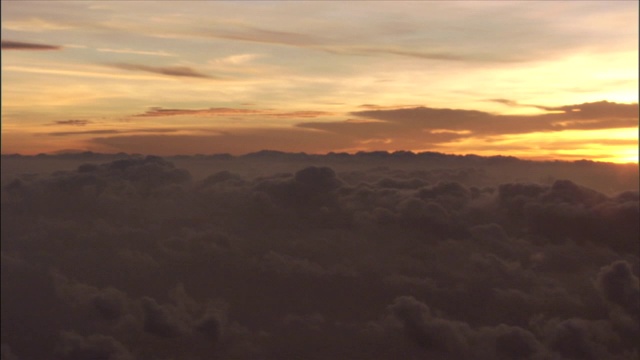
{"x": 174, "y": 71}
{"x": 160, "y": 112}
{"x": 73, "y": 122}
{"x": 17, "y": 45}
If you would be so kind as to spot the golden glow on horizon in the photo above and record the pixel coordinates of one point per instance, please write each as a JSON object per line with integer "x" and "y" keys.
{"x": 607, "y": 145}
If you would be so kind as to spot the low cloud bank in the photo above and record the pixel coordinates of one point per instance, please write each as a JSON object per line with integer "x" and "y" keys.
{"x": 280, "y": 256}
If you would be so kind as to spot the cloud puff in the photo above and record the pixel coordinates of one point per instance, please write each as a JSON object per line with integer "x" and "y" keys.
{"x": 450, "y": 339}
{"x": 77, "y": 347}
{"x": 580, "y": 339}
{"x": 164, "y": 321}
{"x": 619, "y": 285}
{"x": 17, "y": 45}
{"x": 415, "y": 317}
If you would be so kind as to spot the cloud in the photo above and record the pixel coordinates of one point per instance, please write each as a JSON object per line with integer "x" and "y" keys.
{"x": 17, "y": 45}
{"x": 380, "y": 107}
{"x": 449, "y": 339}
{"x": 163, "y": 321}
{"x": 413, "y": 315}
{"x": 334, "y": 46}
{"x": 469, "y": 131}
{"x": 301, "y": 114}
{"x": 598, "y": 115}
{"x": 86, "y": 132}
{"x": 107, "y": 131}
{"x": 338, "y": 46}
{"x": 77, "y": 347}
{"x": 452, "y": 55}
{"x": 73, "y": 122}
{"x": 154, "y": 260}
{"x": 619, "y": 285}
{"x": 229, "y": 141}
{"x": 159, "y": 112}
{"x": 136, "y": 52}
{"x": 577, "y": 338}
{"x": 34, "y": 24}
{"x": 175, "y": 71}
{"x": 254, "y": 34}
{"x": 237, "y": 59}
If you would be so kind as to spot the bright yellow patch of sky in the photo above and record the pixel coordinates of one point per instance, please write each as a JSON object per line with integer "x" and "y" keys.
{"x": 609, "y": 145}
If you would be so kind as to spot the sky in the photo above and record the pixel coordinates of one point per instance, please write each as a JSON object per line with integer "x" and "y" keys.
{"x": 537, "y": 80}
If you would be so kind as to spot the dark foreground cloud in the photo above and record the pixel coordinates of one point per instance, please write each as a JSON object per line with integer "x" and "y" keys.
{"x": 17, "y": 45}
{"x": 77, "y": 347}
{"x": 294, "y": 256}
{"x": 620, "y": 286}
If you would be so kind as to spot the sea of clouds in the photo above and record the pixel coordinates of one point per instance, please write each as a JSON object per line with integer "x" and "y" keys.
{"x": 294, "y": 256}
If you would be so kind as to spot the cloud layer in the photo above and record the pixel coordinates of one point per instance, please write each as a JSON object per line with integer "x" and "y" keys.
{"x": 278, "y": 256}
{"x": 556, "y": 133}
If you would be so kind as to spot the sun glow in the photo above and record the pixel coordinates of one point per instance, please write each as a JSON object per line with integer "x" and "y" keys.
{"x": 606, "y": 145}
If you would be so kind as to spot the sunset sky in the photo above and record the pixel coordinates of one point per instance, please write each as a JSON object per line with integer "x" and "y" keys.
{"x": 533, "y": 79}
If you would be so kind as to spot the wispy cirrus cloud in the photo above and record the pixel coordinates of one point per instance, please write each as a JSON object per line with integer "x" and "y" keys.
{"x": 34, "y": 24}
{"x": 259, "y": 35}
{"x": 18, "y": 45}
{"x": 334, "y": 46}
{"x": 160, "y": 112}
{"x": 136, "y": 52}
{"x": 301, "y": 114}
{"x": 86, "y": 132}
{"x": 237, "y": 59}
{"x": 176, "y": 71}
{"x": 115, "y": 132}
{"x": 449, "y": 55}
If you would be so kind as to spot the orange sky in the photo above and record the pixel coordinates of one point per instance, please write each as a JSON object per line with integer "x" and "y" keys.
{"x": 542, "y": 80}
